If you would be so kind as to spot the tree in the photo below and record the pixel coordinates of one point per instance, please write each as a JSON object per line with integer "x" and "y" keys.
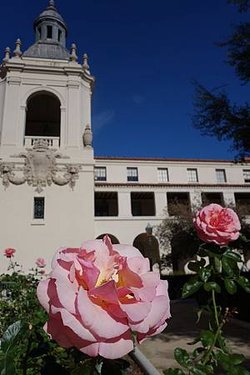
{"x": 177, "y": 238}
{"x": 242, "y": 4}
{"x": 215, "y": 114}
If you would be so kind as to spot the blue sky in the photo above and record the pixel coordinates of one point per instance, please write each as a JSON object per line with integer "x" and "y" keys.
{"x": 145, "y": 55}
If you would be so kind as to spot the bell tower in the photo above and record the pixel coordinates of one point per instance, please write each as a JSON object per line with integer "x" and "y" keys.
{"x": 45, "y": 92}
{"x": 46, "y": 154}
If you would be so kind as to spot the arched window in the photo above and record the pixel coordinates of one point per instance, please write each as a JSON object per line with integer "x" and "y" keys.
{"x": 43, "y": 115}
{"x": 148, "y": 245}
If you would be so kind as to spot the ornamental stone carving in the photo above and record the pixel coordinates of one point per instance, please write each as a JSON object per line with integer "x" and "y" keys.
{"x": 40, "y": 168}
{"x": 87, "y": 137}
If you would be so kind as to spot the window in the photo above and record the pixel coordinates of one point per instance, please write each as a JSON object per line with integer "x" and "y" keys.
{"x": 246, "y": 175}
{"x": 59, "y": 36}
{"x": 132, "y": 174}
{"x": 242, "y": 201}
{"x": 192, "y": 175}
{"x": 100, "y": 174}
{"x": 211, "y": 197}
{"x": 106, "y": 203}
{"x": 49, "y": 32}
{"x": 221, "y": 175}
{"x": 162, "y": 175}
{"x": 38, "y": 208}
{"x": 178, "y": 204}
{"x": 39, "y": 33}
{"x": 143, "y": 204}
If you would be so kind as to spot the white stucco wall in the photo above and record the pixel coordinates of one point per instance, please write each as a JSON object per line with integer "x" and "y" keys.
{"x": 2, "y": 94}
{"x": 68, "y": 219}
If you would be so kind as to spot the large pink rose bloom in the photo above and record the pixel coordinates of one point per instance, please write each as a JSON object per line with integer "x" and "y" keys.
{"x": 97, "y": 295}
{"x": 216, "y": 224}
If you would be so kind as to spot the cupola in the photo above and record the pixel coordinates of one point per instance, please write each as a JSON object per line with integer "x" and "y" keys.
{"x": 50, "y": 35}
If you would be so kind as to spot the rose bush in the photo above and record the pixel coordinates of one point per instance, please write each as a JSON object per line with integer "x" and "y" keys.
{"x": 100, "y": 297}
{"x": 216, "y": 224}
{"x": 9, "y": 253}
{"x": 40, "y": 262}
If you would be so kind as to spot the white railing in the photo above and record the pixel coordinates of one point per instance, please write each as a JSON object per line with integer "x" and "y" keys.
{"x": 51, "y": 141}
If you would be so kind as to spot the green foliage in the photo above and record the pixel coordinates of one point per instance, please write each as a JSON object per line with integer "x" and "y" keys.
{"x": 243, "y": 5}
{"x": 191, "y": 287}
{"x": 219, "y": 274}
{"x": 239, "y": 51}
{"x": 178, "y": 237}
{"x": 25, "y": 348}
{"x": 215, "y": 114}
{"x": 7, "y": 349}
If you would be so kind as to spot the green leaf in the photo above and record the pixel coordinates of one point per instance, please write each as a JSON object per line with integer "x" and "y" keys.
{"x": 244, "y": 238}
{"x": 175, "y": 371}
{"x": 10, "y": 335}
{"x": 230, "y": 285}
{"x": 202, "y": 369}
{"x": 191, "y": 287}
{"x": 182, "y": 357}
{"x": 217, "y": 264}
{"x": 207, "y": 338}
{"x": 212, "y": 285}
{"x": 237, "y": 359}
{"x": 7, "y": 368}
{"x": 230, "y": 266}
{"x": 222, "y": 342}
{"x": 232, "y": 255}
{"x": 223, "y": 358}
{"x": 204, "y": 274}
{"x": 197, "y": 371}
{"x": 244, "y": 283}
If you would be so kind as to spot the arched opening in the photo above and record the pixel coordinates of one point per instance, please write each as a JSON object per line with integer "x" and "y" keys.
{"x": 43, "y": 118}
{"x": 149, "y": 247}
{"x": 184, "y": 247}
{"x": 113, "y": 239}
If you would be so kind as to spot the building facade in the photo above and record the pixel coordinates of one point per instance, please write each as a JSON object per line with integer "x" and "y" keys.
{"x": 131, "y": 192}
{"x": 53, "y": 191}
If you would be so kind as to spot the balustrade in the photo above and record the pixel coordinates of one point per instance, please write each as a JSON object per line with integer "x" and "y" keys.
{"x": 52, "y": 141}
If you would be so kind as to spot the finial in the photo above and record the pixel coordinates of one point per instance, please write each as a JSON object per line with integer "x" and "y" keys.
{"x": 87, "y": 137}
{"x": 7, "y": 54}
{"x": 85, "y": 64}
{"x": 73, "y": 56}
{"x": 52, "y": 4}
{"x": 17, "y": 51}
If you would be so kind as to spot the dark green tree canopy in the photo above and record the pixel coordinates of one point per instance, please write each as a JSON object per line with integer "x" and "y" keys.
{"x": 242, "y": 4}
{"x": 215, "y": 114}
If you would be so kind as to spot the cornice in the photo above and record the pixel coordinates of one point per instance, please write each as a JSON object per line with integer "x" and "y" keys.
{"x": 158, "y": 159}
{"x": 171, "y": 185}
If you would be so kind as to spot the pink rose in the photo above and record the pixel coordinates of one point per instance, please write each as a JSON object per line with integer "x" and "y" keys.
{"x": 214, "y": 223}
{"x": 98, "y": 295}
{"x": 40, "y": 262}
{"x": 9, "y": 253}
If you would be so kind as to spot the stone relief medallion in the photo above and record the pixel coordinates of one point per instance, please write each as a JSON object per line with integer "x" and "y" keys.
{"x": 40, "y": 168}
